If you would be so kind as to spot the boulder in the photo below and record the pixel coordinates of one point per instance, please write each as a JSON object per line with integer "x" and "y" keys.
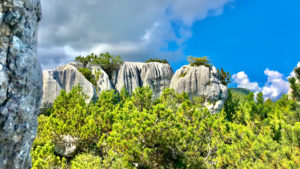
{"x": 20, "y": 81}
{"x": 201, "y": 81}
{"x": 137, "y": 74}
{"x": 64, "y": 77}
{"x": 66, "y": 146}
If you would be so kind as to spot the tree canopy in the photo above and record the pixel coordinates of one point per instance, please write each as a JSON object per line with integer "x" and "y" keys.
{"x": 106, "y": 61}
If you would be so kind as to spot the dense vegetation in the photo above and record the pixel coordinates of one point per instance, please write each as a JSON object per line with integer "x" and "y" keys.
{"x": 106, "y": 61}
{"x": 123, "y": 131}
{"x": 157, "y": 60}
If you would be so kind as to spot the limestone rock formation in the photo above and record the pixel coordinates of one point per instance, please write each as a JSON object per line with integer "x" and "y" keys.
{"x": 64, "y": 77}
{"x": 201, "y": 81}
{"x": 20, "y": 81}
{"x": 137, "y": 74}
{"x": 103, "y": 81}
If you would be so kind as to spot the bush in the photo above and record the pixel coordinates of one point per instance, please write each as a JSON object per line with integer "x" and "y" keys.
{"x": 199, "y": 61}
{"x": 86, "y": 161}
{"x": 225, "y": 77}
{"x": 171, "y": 132}
{"x": 106, "y": 61}
{"x": 294, "y": 85}
{"x": 157, "y": 60}
{"x": 87, "y": 73}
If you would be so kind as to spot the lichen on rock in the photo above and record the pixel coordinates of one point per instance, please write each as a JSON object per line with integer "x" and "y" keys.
{"x": 20, "y": 81}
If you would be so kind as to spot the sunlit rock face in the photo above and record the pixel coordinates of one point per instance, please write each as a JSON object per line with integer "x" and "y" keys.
{"x": 20, "y": 81}
{"x": 137, "y": 74}
{"x": 201, "y": 81}
{"x": 64, "y": 77}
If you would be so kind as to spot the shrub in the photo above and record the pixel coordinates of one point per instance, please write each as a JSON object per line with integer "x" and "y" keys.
{"x": 199, "y": 61}
{"x": 106, "y": 61}
{"x": 172, "y": 132}
{"x": 157, "y": 60}
{"x": 86, "y": 161}
{"x": 87, "y": 73}
{"x": 294, "y": 85}
{"x": 225, "y": 76}
{"x": 183, "y": 74}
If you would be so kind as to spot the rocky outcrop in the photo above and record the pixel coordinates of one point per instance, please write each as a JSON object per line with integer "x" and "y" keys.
{"x": 137, "y": 74}
{"x": 64, "y": 77}
{"x": 195, "y": 81}
{"x": 102, "y": 79}
{"x": 201, "y": 81}
{"x": 20, "y": 81}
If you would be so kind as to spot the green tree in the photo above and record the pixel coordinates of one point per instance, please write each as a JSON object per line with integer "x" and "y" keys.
{"x": 199, "y": 61}
{"x": 106, "y": 61}
{"x": 225, "y": 76}
{"x": 294, "y": 85}
{"x": 157, "y": 60}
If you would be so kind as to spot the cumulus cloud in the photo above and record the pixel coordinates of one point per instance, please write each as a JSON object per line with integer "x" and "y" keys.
{"x": 132, "y": 28}
{"x": 277, "y": 84}
{"x": 242, "y": 80}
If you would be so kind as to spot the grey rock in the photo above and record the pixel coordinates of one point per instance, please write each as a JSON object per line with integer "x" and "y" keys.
{"x": 20, "y": 81}
{"x": 66, "y": 146}
{"x": 102, "y": 79}
{"x": 64, "y": 77}
{"x": 137, "y": 74}
{"x": 201, "y": 81}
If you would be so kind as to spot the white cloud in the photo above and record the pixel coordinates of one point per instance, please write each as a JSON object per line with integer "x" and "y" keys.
{"x": 134, "y": 29}
{"x": 275, "y": 87}
{"x": 243, "y": 81}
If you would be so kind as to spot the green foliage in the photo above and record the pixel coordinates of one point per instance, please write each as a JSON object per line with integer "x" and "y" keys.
{"x": 106, "y": 61}
{"x": 87, "y": 73}
{"x": 199, "y": 61}
{"x": 86, "y": 161}
{"x": 225, "y": 76}
{"x": 183, "y": 74}
{"x": 123, "y": 131}
{"x": 157, "y": 60}
{"x": 294, "y": 85}
{"x": 44, "y": 157}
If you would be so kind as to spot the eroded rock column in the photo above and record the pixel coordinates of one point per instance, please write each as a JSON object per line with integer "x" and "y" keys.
{"x": 20, "y": 81}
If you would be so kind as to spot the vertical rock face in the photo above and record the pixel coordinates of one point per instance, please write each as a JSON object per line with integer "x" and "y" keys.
{"x": 201, "y": 81}
{"x": 137, "y": 74}
{"x": 64, "y": 77}
{"x": 20, "y": 81}
{"x": 102, "y": 79}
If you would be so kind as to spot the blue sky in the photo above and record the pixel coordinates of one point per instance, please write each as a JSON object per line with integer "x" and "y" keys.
{"x": 250, "y": 36}
{"x": 257, "y": 41}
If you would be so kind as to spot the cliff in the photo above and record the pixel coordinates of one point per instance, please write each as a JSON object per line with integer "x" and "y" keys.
{"x": 201, "y": 81}
{"x": 137, "y": 74}
{"x": 64, "y": 77}
{"x": 195, "y": 81}
{"x": 20, "y": 81}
